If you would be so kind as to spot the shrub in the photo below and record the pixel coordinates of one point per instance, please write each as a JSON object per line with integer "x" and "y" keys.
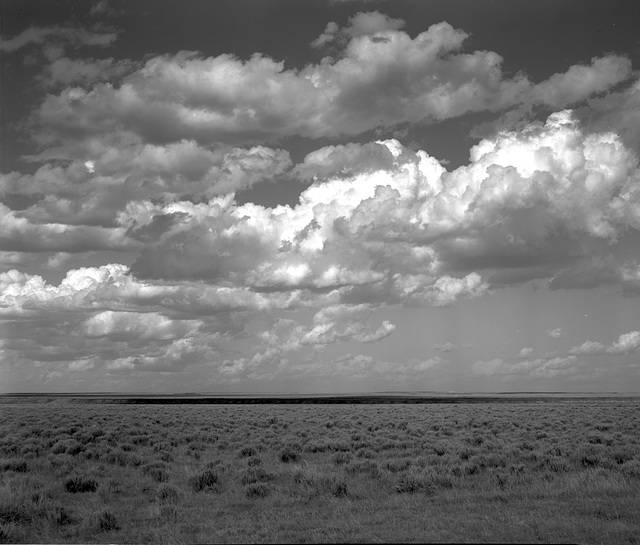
{"x": 341, "y": 458}
{"x": 413, "y": 482}
{"x": 339, "y": 488}
{"x": 256, "y": 475}
{"x": 470, "y": 468}
{"x": 316, "y": 447}
{"x": 622, "y": 454}
{"x": 591, "y": 455}
{"x": 68, "y": 446}
{"x": 167, "y": 492}
{"x": 157, "y": 471}
{"x": 107, "y": 521}
{"x": 489, "y": 460}
{"x": 245, "y": 452}
{"x": 289, "y": 454}
{"x": 368, "y": 466}
{"x": 254, "y": 461}
{"x": 62, "y": 517}
{"x": 365, "y": 453}
{"x": 257, "y": 490}
{"x": 81, "y": 484}
{"x": 631, "y": 468}
{"x": 556, "y": 464}
{"x": 397, "y": 466}
{"x": 14, "y": 513}
{"x": 122, "y": 459}
{"x": 204, "y": 481}
{"x": 439, "y": 449}
{"x": 166, "y": 456}
{"x": 19, "y": 466}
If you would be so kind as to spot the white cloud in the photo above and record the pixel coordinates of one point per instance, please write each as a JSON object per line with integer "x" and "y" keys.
{"x": 136, "y": 325}
{"x": 446, "y": 347}
{"x": 75, "y": 37}
{"x": 18, "y": 233}
{"x": 627, "y": 343}
{"x": 547, "y": 367}
{"x": 487, "y": 368}
{"x": 86, "y": 288}
{"x": 537, "y": 202}
{"x": 425, "y": 365}
{"x": 525, "y": 353}
{"x": 361, "y": 24}
{"x": 330, "y": 325}
{"x": 589, "y": 347}
{"x": 383, "y": 79}
{"x": 65, "y": 71}
{"x": 556, "y": 333}
{"x": 580, "y": 82}
{"x": 618, "y": 112}
{"x": 120, "y": 169}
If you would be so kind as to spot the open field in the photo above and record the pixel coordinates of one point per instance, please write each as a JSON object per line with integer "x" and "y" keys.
{"x": 555, "y": 470}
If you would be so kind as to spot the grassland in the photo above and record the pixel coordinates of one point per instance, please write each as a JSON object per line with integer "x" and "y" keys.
{"x": 564, "y": 470}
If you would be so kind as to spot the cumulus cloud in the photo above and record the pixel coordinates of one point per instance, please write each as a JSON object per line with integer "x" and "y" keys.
{"x": 382, "y": 77}
{"x": 56, "y": 38}
{"x": 175, "y": 357}
{"x": 103, "y": 176}
{"x": 85, "y": 72}
{"x": 145, "y": 158}
{"x": 618, "y": 112}
{"x": 487, "y": 368}
{"x": 397, "y": 227}
{"x": 86, "y": 288}
{"x": 546, "y": 367}
{"x": 361, "y": 24}
{"x": 627, "y": 343}
{"x": 331, "y": 325}
{"x": 445, "y": 347}
{"x": 18, "y": 233}
{"x": 136, "y": 325}
{"x": 556, "y": 333}
{"x": 525, "y": 353}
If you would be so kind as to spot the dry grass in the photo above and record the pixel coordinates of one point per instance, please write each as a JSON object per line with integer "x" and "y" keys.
{"x": 556, "y": 471}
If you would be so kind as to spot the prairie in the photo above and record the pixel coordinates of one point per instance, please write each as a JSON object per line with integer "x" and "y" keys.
{"x": 557, "y": 470}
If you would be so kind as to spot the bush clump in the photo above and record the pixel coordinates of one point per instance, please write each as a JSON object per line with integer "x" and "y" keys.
{"x": 411, "y": 483}
{"x": 107, "y": 521}
{"x": 257, "y": 490}
{"x": 342, "y": 458}
{"x": 19, "y": 466}
{"x": 157, "y": 471}
{"x": 62, "y": 517}
{"x": 245, "y": 452}
{"x": 167, "y": 492}
{"x": 339, "y": 488}
{"x": 81, "y": 484}
{"x": 289, "y": 454}
{"x": 256, "y": 475}
{"x": 254, "y": 461}
{"x": 204, "y": 481}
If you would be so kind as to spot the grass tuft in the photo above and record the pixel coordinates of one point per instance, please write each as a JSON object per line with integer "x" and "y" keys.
{"x": 204, "y": 481}
{"x": 257, "y": 490}
{"x": 19, "y": 466}
{"x": 106, "y": 521}
{"x": 81, "y": 484}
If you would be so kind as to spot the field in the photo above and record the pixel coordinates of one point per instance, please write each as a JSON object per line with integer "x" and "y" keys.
{"x": 555, "y": 470}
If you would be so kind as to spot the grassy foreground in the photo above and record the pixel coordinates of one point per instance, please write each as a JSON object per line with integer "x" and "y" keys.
{"x": 554, "y": 471}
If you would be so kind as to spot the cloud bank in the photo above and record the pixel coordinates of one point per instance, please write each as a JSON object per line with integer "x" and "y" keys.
{"x": 139, "y": 166}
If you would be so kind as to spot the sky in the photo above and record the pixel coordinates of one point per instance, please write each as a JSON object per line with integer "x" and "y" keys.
{"x": 320, "y": 196}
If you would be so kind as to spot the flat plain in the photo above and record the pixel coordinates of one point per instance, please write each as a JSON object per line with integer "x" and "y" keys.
{"x": 562, "y": 470}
